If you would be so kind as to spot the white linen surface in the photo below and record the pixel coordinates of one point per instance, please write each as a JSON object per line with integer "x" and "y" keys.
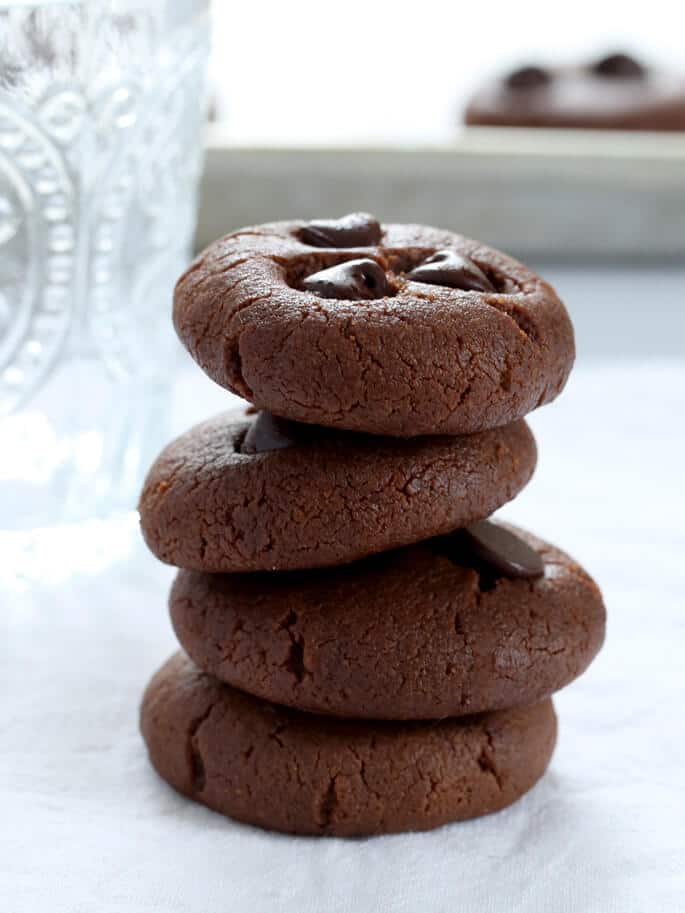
{"x": 87, "y": 827}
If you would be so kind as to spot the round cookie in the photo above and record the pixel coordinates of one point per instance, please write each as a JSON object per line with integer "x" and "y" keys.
{"x": 616, "y": 92}
{"x": 381, "y": 337}
{"x": 287, "y": 771}
{"x": 423, "y": 632}
{"x": 310, "y": 497}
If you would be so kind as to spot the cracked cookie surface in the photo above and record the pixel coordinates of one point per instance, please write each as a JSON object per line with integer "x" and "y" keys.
{"x": 302, "y": 774}
{"x": 417, "y": 633}
{"x": 325, "y": 498}
{"x": 421, "y": 359}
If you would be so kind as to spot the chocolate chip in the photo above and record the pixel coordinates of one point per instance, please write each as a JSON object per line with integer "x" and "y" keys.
{"x": 530, "y": 77}
{"x": 501, "y": 550}
{"x": 447, "y": 267}
{"x": 268, "y": 432}
{"x": 621, "y": 65}
{"x": 353, "y": 280}
{"x": 358, "y": 229}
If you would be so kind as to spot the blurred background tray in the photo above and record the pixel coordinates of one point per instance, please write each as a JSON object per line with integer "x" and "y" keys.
{"x": 561, "y": 195}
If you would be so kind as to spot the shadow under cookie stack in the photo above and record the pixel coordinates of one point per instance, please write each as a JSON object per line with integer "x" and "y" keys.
{"x": 364, "y": 650}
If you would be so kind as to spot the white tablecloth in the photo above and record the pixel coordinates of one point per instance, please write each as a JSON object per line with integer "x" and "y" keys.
{"x": 87, "y": 827}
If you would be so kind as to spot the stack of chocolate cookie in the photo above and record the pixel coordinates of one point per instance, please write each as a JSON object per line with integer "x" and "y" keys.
{"x": 365, "y": 651}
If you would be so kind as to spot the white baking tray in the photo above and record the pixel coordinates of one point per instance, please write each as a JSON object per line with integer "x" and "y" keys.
{"x": 570, "y": 194}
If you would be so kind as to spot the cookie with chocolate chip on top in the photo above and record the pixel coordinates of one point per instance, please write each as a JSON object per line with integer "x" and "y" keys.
{"x": 255, "y": 492}
{"x": 485, "y": 618}
{"x": 614, "y": 92}
{"x": 399, "y": 330}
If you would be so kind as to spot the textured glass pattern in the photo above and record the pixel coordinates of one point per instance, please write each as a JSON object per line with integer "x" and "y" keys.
{"x": 102, "y": 107}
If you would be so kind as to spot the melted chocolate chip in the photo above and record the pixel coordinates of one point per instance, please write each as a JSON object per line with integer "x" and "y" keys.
{"x": 447, "y": 267}
{"x": 620, "y": 65}
{"x": 268, "y": 432}
{"x": 501, "y": 550}
{"x": 358, "y": 229}
{"x": 353, "y": 281}
{"x": 530, "y": 77}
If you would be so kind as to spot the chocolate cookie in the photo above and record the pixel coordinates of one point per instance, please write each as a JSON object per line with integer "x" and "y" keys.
{"x": 289, "y": 771}
{"x": 411, "y": 331}
{"x": 616, "y": 92}
{"x": 249, "y": 493}
{"x": 423, "y": 632}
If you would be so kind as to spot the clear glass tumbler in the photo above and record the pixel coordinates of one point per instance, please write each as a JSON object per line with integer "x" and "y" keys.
{"x": 102, "y": 111}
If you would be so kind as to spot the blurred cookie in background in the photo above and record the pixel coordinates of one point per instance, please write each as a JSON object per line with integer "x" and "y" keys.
{"x": 614, "y": 92}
